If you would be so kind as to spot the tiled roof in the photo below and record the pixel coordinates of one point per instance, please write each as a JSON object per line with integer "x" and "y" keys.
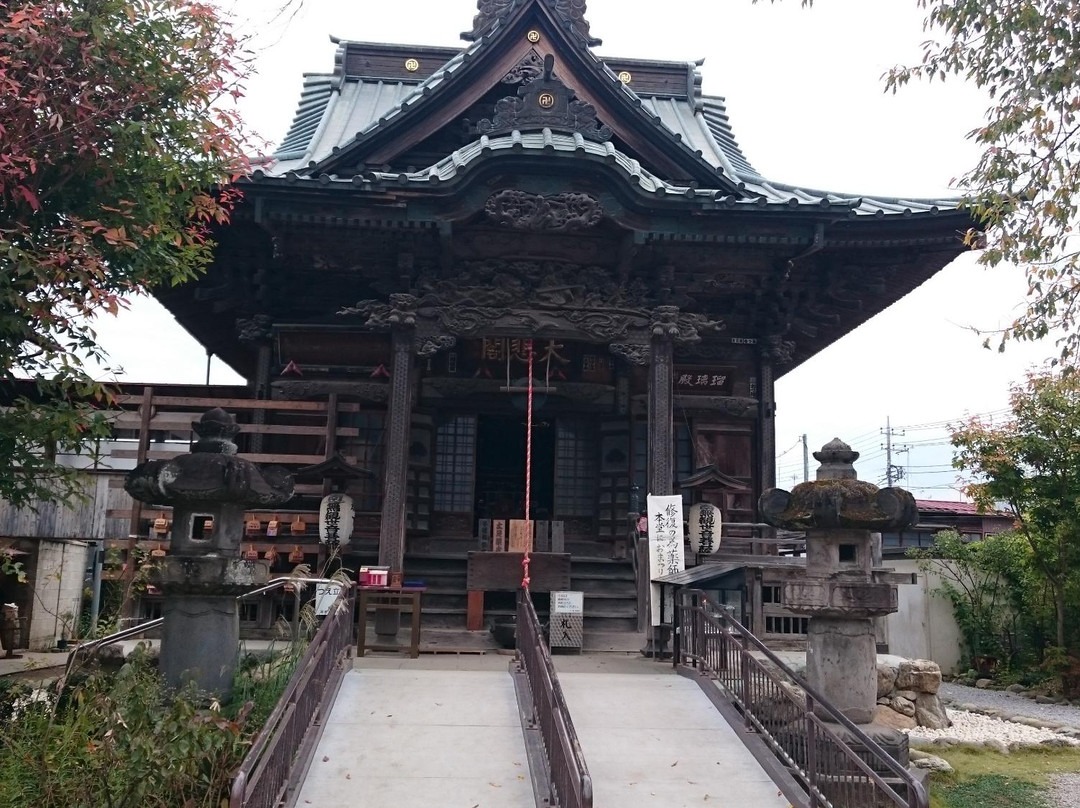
{"x": 957, "y": 508}
{"x": 336, "y": 111}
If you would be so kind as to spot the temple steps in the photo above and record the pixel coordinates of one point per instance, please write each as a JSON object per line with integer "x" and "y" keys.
{"x": 609, "y": 585}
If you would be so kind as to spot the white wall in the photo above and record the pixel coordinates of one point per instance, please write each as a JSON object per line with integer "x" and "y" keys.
{"x": 924, "y": 626}
{"x": 57, "y": 578}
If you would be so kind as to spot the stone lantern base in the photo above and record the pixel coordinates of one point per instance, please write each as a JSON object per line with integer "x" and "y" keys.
{"x": 200, "y": 637}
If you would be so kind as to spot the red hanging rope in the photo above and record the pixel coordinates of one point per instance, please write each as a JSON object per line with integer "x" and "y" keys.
{"x": 528, "y": 467}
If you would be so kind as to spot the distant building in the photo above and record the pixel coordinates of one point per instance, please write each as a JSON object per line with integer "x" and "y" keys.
{"x": 935, "y": 516}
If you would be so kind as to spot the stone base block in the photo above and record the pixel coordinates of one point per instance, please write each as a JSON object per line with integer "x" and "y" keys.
{"x": 200, "y": 643}
{"x": 841, "y": 657}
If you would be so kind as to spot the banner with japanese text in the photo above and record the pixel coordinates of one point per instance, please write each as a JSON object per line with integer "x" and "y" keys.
{"x": 665, "y": 548}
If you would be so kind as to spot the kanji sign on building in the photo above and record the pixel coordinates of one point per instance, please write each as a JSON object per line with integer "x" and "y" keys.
{"x": 665, "y": 546}
{"x": 700, "y": 380}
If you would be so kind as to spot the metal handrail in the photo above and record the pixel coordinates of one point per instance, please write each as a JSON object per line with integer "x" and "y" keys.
{"x": 570, "y": 781}
{"x": 286, "y": 740}
{"x": 134, "y": 631}
{"x": 833, "y": 773}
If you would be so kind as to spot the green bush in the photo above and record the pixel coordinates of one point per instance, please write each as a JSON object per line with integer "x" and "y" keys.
{"x": 124, "y": 741}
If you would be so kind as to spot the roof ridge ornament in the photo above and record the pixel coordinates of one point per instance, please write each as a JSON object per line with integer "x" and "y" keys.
{"x": 570, "y": 12}
{"x": 545, "y": 103}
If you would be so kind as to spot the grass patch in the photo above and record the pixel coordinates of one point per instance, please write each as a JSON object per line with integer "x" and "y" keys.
{"x": 983, "y": 778}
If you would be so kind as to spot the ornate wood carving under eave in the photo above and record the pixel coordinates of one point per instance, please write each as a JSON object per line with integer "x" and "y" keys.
{"x": 254, "y": 330}
{"x": 555, "y": 212}
{"x": 738, "y": 406}
{"x": 299, "y": 389}
{"x": 531, "y": 66}
{"x": 458, "y": 314}
{"x": 545, "y": 102}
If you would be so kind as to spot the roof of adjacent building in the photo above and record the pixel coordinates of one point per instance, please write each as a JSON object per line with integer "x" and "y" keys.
{"x": 955, "y": 508}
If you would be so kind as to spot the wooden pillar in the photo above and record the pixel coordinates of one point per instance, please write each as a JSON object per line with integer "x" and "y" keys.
{"x": 661, "y": 443}
{"x": 396, "y": 465}
{"x": 262, "y": 391}
{"x": 767, "y": 424}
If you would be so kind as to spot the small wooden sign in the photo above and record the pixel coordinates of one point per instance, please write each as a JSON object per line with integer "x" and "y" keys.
{"x": 298, "y": 526}
{"x": 272, "y": 527}
{"x": 253, "y": 527}
{"x": 521, "y": 535}
{"x": 498, "y": 535}
{"x": 271, "y": 555}
{"x": 558, "y": 540}
{"x": 161, "y": 525}
{"x": 251, "y": 554}
{"x": 542, "y": 537}
{"x": 296, "y": 556}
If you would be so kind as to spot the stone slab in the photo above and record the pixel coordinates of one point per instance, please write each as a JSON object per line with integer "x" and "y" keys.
{"x": 653, "y": 738}
{"x": 406, "y": 735}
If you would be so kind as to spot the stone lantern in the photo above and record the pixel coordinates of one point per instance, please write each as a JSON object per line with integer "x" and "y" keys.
{"x": 839, "y": 513}
{"x": 209, "y": 490}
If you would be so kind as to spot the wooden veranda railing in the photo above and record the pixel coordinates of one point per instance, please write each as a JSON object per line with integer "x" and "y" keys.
{"x": 767, "y": 693}
{"x": 571, "y": 784}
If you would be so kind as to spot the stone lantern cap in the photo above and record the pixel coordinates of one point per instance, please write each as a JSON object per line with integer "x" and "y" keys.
{"x": 211, "y": 473}
{"x": 838, "y": 500}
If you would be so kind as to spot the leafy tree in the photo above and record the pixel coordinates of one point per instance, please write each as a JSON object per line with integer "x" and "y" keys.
{"x": 985, "y": 584}
{"x": 1030, "y": 464}
{"x": 1025, "y": 187}
{"x": 116, "y": 127}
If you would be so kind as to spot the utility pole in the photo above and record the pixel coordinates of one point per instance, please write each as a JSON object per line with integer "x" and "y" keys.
{"x": 893, "y": 473}
{"x": 805, "y": 460}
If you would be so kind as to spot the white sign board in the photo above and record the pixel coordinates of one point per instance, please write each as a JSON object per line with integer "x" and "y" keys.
{"x": 665, "y": 547}
{"x": 324, "y": 598}
{"x": 336, "y": 519}
{"x": 568, "y": 602}
{"x": 704, "y": 528}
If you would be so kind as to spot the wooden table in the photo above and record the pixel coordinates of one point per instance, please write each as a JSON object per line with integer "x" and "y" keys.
{"x": 399, "y": 598}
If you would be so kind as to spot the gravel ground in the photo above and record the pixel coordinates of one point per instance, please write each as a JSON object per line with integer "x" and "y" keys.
{"x": 976, "y": 728}
{"x": 1065, "y": 790}
{"x": 1018, "y": 705}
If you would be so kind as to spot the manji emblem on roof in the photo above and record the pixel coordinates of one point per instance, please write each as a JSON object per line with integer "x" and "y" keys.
{"x": 545, "y": 102}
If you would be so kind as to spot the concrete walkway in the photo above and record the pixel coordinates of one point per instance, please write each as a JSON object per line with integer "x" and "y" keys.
{"x": 402, "y": 735}
{"x": 652, "y": 738}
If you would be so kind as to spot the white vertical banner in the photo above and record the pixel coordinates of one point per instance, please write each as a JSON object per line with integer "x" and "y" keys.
{"x": 665, "y": 548}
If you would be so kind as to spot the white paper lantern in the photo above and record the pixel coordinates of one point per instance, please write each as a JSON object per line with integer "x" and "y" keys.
{"x": 336, "y": 519}
{"x": 704, "y": 528}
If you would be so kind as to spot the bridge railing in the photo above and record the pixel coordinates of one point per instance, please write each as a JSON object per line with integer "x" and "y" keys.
{"x": 767, "y": 694}
{"x": 570, "y": 779}
{"x": 280, "y": 751}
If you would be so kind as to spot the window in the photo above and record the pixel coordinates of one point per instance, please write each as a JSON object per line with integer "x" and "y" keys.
{"x": 368, "y": 447}
{"x": 786, "y": 625}
{"x": 455, "y": 438}
{"x": 849, "y": 552}
{"x": 575, "y": 468}
{"x": 249, "y": 612}
{"x": 771, "y": 594}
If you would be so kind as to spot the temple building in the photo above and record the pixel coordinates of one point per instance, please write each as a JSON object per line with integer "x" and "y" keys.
{"x": 434, "y": 212}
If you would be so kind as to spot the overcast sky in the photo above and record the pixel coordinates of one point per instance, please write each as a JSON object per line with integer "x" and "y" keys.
{"x": 805, "y": 95}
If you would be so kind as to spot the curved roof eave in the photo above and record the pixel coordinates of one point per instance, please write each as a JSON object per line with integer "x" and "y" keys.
{"x": 760, "y": 193}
